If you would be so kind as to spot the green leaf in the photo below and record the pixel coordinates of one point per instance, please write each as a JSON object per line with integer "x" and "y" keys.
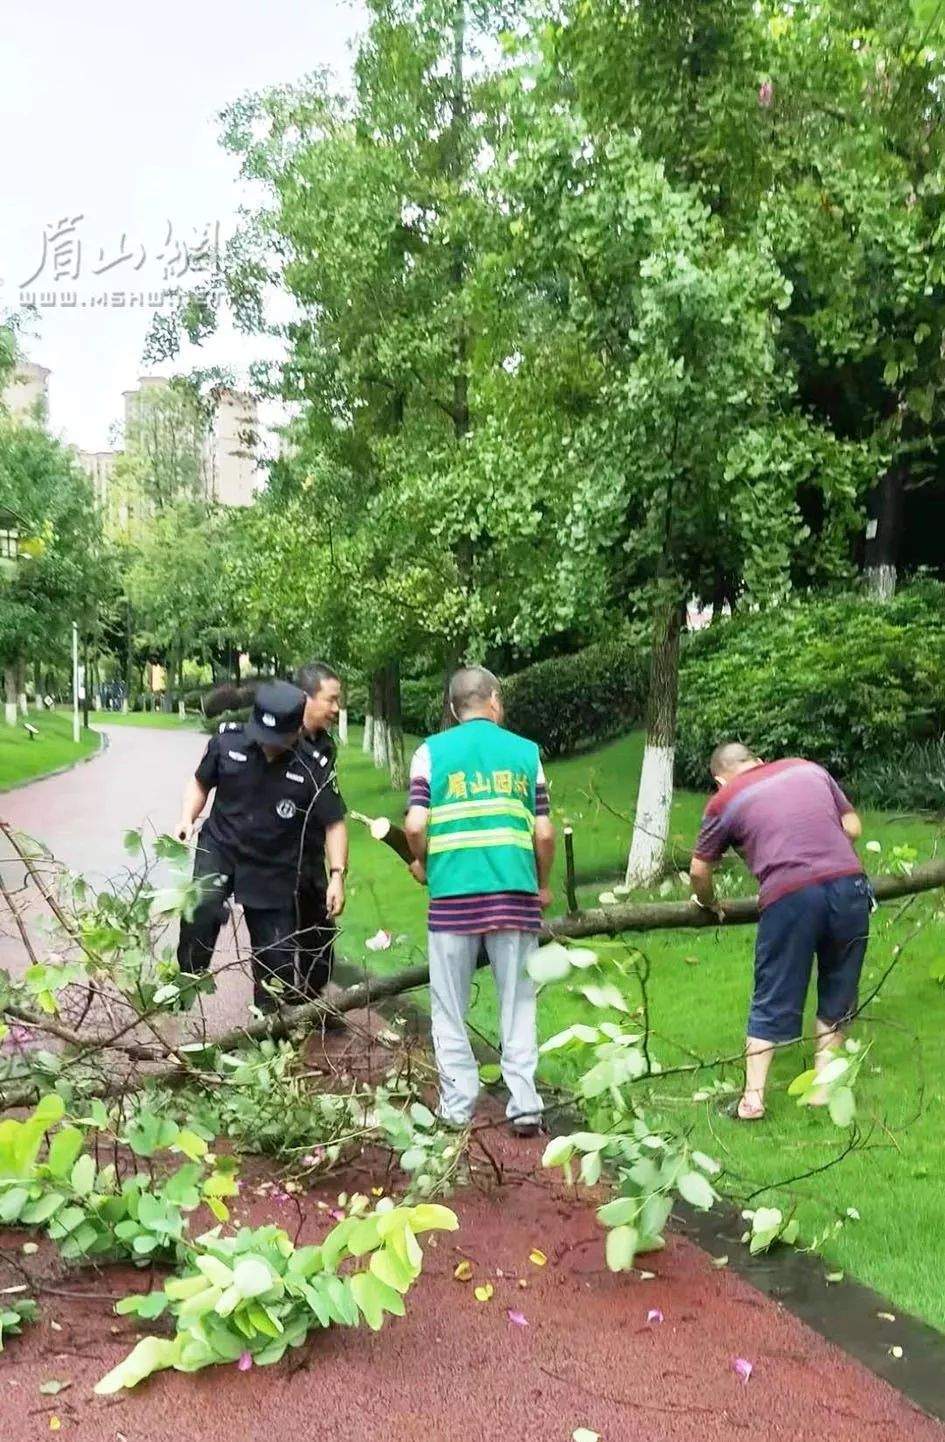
{"x": 252, "y": 1276}
{"x": 549, "y": 963}
{"x": 12, "y": 1203}
{"x": 802, "y": 1083}
{"x": 842, "y": 1106}
{"x": 607, "y": 995}
{"x": 190, "y": 1144}
{"x": 619, "y": 1212}
{"x": 374, "y": 1298}
{"x": 143, "y": 1304}
{"x": 696, "y": 1190}
{"x": 152, "y": 1354}
{"x": 83, "y": 1175}
{"x": 63, "y": 1151}
{"x": 490, "y": 1073}
{"x": 132, "y": 842}
{"x": 621, "y": 1248}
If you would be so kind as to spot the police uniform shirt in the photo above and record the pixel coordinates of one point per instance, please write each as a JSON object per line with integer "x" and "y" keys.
{"x": 320, "y": 749}
{"x": 264, "y": 811}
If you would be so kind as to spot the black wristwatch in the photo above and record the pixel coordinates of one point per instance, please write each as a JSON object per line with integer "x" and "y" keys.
{"x": 341, "y": 871}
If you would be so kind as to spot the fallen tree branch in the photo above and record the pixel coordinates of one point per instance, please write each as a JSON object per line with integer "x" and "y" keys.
{"x": 742, "y": 911}
{"x": 609, "y": 921}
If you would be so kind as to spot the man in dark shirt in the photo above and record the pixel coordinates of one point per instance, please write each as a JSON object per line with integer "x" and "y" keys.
{"x": 795, "y": 829}
{"x": 321, "y": 900}
{"x": 269, "y": 793}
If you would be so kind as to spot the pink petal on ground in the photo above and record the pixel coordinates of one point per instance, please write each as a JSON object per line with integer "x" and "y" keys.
{"x": 742, "y": 1368}
{"x": 654, "y": 1315}
{"x": 337, "y": 1215}
{"x": 245, "y": 1361}
{"x": 519, "y": 1318}
{"x": 380, "y": 941}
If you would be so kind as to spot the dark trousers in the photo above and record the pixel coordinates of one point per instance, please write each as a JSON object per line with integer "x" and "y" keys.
{"x": 272, "y": 930}
{"x": 830, "y": 920}
{"x": 316, "y": 938}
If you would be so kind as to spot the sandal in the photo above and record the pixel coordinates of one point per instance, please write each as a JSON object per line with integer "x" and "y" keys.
{"x": 745, "y": 1111}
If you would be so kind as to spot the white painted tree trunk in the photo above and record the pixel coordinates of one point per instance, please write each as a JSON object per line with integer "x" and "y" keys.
{"x": 367, "y": 743}
{"x": 381, "y": 749}
{"x": 881, "y": 582}
{"x": 655, "y": 791}
{"x": 343, "y": 726}
{"x": 125, "y": 706}
{"x": 651, "y": 822}
{"x": 9, "y": 695}
{"x": 24, "y": 704}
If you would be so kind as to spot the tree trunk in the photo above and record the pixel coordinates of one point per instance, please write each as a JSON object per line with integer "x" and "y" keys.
{"x": 379, "y": 737}
{"x": 21, "y": 688}
{"x": 343, "y": 726}
{"x": 655, "y": 792}
{"x": 395, "y": 733}
{"x": 367, "y": 742}
{"x": 883, "y": 534}
{"x": 9, "y": 694}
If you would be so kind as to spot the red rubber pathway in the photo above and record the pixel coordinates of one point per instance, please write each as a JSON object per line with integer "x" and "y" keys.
{"x": 580, "y": 1353}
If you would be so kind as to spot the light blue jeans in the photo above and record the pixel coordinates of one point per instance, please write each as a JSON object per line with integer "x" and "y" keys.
{"x": 452, "y": 964}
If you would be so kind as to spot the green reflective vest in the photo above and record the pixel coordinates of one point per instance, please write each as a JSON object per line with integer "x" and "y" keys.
{"x": 482, "y": 811}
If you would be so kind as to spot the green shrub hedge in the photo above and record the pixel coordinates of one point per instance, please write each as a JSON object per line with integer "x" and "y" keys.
{"x": 846, "y": 682}
{"x": 577, "y": 701}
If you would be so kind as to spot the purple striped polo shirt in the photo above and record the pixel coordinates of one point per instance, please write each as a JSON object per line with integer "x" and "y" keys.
{"x": 495, "y": 911}
{"x": 784, "y": 818}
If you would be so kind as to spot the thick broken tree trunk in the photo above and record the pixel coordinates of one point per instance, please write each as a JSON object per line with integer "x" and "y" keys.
{"x": 884, "y": 534}
{"x": 655, "y": 791}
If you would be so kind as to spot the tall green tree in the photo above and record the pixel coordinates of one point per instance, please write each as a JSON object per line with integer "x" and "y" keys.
{"x": 60, "y": 571}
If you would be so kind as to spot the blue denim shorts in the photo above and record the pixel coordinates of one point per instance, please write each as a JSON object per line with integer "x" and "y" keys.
{"x": 829, "y": 920}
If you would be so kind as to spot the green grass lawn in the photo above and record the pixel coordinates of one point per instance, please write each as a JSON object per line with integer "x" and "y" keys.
{"x": 699, "y": 992}
{"x": 163, "y": 720}
{"x": 21, "y": 758}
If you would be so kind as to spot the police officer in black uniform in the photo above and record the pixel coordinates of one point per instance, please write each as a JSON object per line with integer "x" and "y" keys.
{"x": 325, "y": 861}
{"x": 269, "y": 797}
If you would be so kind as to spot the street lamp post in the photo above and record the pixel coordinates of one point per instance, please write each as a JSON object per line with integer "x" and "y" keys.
{"x": 75, "y": 682}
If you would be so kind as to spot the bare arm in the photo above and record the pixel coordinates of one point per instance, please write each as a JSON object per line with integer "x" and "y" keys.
{"x": 336, "y": 854}
{"x": 195, "y": 799}
{"x": 543, "y": 840}
{"x": 852, "y": 825}
{"x": 703, "y": 891}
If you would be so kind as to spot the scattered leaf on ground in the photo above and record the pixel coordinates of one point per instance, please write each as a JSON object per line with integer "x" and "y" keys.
{"x": 646, "y": 1276}
{"x": 485, "y": 1292}
{"x": 584, "y": 1434}
{"x": 29, "y": 1249}
{"x": 54, "y": 1423}
{"x": 654, "y": 1315}
{"x": 886, "y": 1316}
{"x": 463, "y": 1271}
{"x": 895, "y": 1352}
{"x": 834, "y": 1277}
{"x": 720, "y": 1261}
{"x": 518, "y": 1318}
{"x": 742, "y": 1368}
{"x": 537, "y": 1256}
{"x": 53, "y": 1387}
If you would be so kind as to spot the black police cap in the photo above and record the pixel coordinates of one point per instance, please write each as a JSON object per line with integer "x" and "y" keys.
{"x": 277, "y": 714}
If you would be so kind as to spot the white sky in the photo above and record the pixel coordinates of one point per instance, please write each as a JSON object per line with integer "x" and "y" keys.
{"x": 108, "y": 112}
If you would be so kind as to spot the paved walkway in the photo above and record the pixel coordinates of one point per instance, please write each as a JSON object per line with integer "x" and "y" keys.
{"x": 586, "y": 1350}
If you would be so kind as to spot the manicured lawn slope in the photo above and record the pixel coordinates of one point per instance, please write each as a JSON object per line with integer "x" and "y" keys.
{"x": 22, "y": 759}
{"x": 698, "y": 995}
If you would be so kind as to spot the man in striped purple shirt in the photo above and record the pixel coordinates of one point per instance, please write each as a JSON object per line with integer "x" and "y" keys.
{"x": 480, "y": 829}
{"x": 795, "y": 829}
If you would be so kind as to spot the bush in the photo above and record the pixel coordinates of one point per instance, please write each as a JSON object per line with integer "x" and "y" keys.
{"x": 421, "y": 704}
{"x": 911, "y": 780}
{"x": 212, "y": 724}
{"x": 845, "y": 682}
{"x": 580, "y": 700}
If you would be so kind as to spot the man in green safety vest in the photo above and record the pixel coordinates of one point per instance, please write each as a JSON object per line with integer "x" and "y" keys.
{"x": 479, "y": 827}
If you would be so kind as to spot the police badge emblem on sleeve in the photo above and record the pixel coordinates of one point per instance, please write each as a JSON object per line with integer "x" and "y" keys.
{"x": 286, "y": 808}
